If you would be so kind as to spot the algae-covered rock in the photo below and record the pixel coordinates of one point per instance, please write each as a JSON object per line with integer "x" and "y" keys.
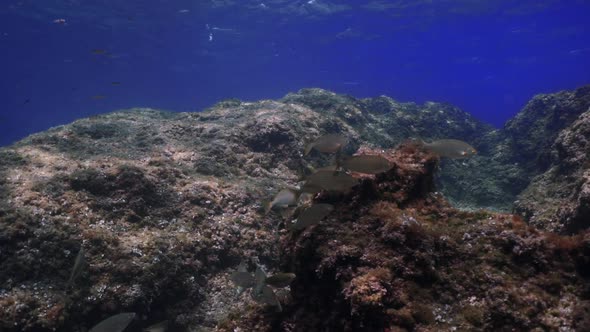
{"x": 395, "y": 256}
{"x": 559, "y": 199}
{"x": 166, "y": 205}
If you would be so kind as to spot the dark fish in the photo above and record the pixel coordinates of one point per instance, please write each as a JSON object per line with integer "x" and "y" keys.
{"x": 312, "y": 215}
{"x": 98, "y": 51}
{"x": 266, "y": 296}
{"x": 159, "y": 327}
{"x": 115, "y": 83}
{"x": 310, "y": 188}
{"x": 116, "y": 323}
{"x": 243, "y": 279}
{"x": 27, "y": 101}
{"x": 331, "y": 181}
{"x": 368, "y": 164}
{"x": 280, "y": 280}
{"x": 98, "y": 97}
{"x": 243, "y": 268}
{"x": 259, "y": 277}
{"x": 79, "y": 266}
{"x": 450, "y": 148}
{"x": 330, "y": 143}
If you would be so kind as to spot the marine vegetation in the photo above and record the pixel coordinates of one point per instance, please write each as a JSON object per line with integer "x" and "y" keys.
{"x": 394, "y": 255}
{"x": 220, "y": 220}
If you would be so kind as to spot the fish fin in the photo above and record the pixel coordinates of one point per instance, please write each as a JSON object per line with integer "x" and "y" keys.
{"x": 267, "y": 207}
{"x": 419, "y": 141}
{"x": 308, "y": 148}
{"x": 287, "y": 213}
{"x": 279, "y": 306}
{"x": 260, "y": 278}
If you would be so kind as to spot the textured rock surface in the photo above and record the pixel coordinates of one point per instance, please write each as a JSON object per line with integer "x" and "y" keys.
{"x": 559, "y": 199}
{"x": 396, "y": 257}
{"x": 167, "y": 204}
{"x": 532, "y": 132}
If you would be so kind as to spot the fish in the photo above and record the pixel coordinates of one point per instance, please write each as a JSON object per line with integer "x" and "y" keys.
{"x": 158, "y": 327}
{"x": 115, "y": 83}
{"x": 280, "y": 280}
{"x": 329, "y": 143}
{"x": 266, "y": 296}
{"x": 79, "y": 265}
{"x": 59, "y": 21}
{"x": 450, "y": 148}
{"x": 116, "y": 323}
{"x": 99, "y": 51}
{"x": 368, "y": 164}
{"x": 242, "y": 268}
{"x": 259, "y": 277}
{"x": 330, "y": 181}
{"x": 98, "y": 97}
{"x": 312, "y": 215}
{"x": 285, "y": 198}
{"x": 242, "y": 279}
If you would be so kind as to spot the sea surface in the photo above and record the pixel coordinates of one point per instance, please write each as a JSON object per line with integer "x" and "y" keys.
{"x": 62, "y": 60}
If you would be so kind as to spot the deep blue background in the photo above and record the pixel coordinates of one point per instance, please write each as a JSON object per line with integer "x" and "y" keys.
{"x": 488, "y": 59}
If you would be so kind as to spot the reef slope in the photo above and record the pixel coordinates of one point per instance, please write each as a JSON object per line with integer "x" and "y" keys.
{"x": 166, "y": 205}
{"x": 394, "y": 256}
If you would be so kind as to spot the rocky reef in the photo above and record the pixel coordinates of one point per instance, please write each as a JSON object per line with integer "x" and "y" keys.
{"x": 166, "y": 205}
{"x": 559, "y": 199}
{"x": 395, "y": 256}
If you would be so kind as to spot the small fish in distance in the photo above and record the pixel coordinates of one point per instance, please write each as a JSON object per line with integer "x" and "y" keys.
{"x": 449, "y": 148}
{"x": 280, "y": 280}
{"x": 312, "y": 215}
{"x": 242, "y": 279}
{"x": 158, "y": 327}
{"x": 79, "y": 266}
{"x": 116, "y": 323}
{"x": 368, "y": 164}
{"x": 284, "y": 198}
{"x": 330, "y": 143}
{"x": 266, "y": 296}
{"x": 331, "y": 181}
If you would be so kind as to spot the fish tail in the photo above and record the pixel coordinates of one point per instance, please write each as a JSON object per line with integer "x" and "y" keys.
{"x": 267, "y": 207}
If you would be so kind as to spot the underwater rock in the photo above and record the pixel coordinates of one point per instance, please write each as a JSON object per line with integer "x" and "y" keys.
{"x": 166, "y": 205}
{"x": 559, "y": 199}
{"x": 395, "y": 256}
{"x": 532, "y": 132}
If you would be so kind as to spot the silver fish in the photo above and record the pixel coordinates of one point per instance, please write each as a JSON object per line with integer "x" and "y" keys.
{"x": 259, "y": 277}
{"x": 312, "y": 215}
{"x": 450, "y": 148}
{"x": 159, "y": 327}
{"x": 284, "y": 198}
{"x": 329, "y": 143}
{"x": 280, "y": 280}
{"x": 242, "y": 279}
{"x": 116, "y": 323}
{"x": 331, "y": 181}
{"x": 79, "y": 265}
{"x": 368, "y": 164}
{"x": 266, "y": 296}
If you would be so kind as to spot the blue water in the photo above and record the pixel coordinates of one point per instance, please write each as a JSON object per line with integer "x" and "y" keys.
{"x": 487, "y": 57}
